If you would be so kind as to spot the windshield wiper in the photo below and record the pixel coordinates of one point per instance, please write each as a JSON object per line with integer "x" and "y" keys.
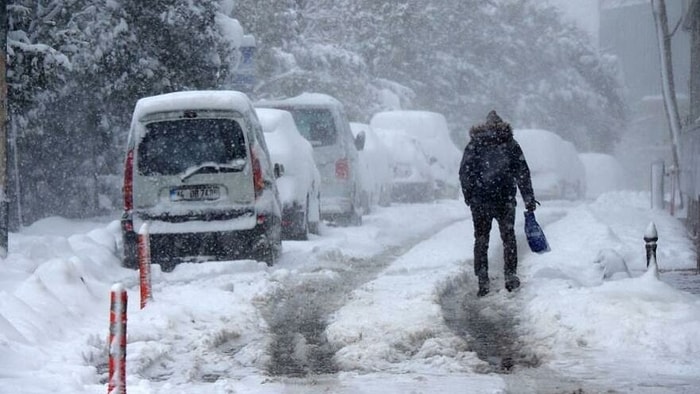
{"x": 213, "y": 168}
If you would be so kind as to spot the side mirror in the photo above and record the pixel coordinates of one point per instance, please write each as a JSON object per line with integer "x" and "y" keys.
{"x": 279, "y": 170}
{"x": 360, "y": 140}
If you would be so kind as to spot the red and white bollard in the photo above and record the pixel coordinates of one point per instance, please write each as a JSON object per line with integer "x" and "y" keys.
{"x": 117, "y": 340}
{"x": 144, "y": 256}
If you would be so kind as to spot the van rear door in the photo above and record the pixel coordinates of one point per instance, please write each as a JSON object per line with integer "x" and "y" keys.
{"x": 194, "y": 166}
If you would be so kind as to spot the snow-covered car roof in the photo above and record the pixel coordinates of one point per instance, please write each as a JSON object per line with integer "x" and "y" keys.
{"x": 430, "y": 131}
{"x": 542, "y": 148}
{"x": 421, "y": 124}
{"x": 279, "y": 127}
{"x": 402, "y": 146}
{"x": 303, "y": 100}
{"x": 192, "y": 100}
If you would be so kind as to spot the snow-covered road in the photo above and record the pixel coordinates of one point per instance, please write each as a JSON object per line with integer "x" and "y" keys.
{"x": 387, "y": 307}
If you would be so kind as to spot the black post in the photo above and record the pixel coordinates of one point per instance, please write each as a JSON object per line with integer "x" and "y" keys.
{"x": 4, "y": 199}
{"x": 650, "y": 238}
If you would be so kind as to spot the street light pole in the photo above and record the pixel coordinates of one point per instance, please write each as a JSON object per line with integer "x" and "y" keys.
{"x": 4, "y": 199}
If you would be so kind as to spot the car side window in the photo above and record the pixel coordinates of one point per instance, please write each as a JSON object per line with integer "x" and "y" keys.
{"x": 316, "y": 125}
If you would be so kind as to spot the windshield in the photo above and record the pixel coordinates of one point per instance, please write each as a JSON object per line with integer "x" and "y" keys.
{"x": 171, "y": 147}
{"x": 316, "y": 125}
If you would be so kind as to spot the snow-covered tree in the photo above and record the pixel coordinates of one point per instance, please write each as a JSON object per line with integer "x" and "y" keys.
{"x": 458, "y": 57}
{"x": 76, "y": 69}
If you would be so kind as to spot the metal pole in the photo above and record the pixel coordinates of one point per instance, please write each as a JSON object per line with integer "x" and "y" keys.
{"x": 4, "y": 200}
{"x": 657, "y": 185}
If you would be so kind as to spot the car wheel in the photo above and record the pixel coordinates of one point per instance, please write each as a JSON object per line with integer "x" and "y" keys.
{"x": 355, "y": 217}
{"x": 314, "y": 227}
{"x": 130, "y": 255}
{"x": 385, "y": 196}
{"x": 301, "y": 225}
{"x": 270, "y": 251}
{"x": 267, "y": 255}
{"x": 365, "y": 202}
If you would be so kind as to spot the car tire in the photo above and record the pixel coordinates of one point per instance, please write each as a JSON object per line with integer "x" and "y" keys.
{"x": 365, "y": 202}
{"x": 314, "y": 227}
{"x": 355, "y": 217}
{"x": 385, "y": 196}
{"x": 130, "y": 253}
{"x": 301, "y": 226}
{"x": 267, "y": 255}
{"x": 272, "y": 249}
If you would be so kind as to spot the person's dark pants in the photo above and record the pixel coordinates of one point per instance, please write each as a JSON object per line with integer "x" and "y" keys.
{"x": 483, "y": 215}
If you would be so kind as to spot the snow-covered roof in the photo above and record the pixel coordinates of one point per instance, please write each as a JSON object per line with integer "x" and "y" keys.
{"x": 304, "y": 99}
{"x": 610, "y": 4}
{"x": 192, "y": 100}
{"x": 422, "y": 124}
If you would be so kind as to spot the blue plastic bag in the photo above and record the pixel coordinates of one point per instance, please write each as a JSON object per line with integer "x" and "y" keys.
{"x": 535, "y": 236}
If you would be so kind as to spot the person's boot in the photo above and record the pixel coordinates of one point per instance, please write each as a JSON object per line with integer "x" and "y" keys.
{"x": 512, "y": 282}
{"x": 483, "y": 286}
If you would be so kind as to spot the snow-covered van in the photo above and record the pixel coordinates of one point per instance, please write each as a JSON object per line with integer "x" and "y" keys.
{"x": 199, "y": 180}
{"x": 321, "y": 119}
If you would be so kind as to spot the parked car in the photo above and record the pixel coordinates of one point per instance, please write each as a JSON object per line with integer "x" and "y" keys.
{"x": 300, "y": 186}
{"x": 198, "y": 171}
{"x": 375, "y": 167}
{"x": 321, "y": 119}
{"x": 556, "y": 169}
{"x": 412, "y": 179}
{"x": 430, "y": 132}
{"x": 604, "y": 173}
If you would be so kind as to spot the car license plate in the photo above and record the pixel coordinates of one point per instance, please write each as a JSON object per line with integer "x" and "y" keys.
{"x": 195, "y": 193}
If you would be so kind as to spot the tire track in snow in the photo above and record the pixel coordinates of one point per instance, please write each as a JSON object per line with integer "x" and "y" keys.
{"x": 297, "y": 313}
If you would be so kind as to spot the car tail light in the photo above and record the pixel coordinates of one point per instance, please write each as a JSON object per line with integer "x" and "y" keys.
{"x": 258, "y": 181}
{"x": 128, "y": 188}
{"x": 342, "y": 169}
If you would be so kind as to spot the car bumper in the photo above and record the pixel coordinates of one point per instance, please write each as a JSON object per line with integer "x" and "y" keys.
{"x": 241, "y": 238}
{"x": 333, "y": 206}
{"x": 412, "y": 191}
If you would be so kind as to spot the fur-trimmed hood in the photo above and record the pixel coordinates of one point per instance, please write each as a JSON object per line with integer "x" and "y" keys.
{"x": 491, "y": 132}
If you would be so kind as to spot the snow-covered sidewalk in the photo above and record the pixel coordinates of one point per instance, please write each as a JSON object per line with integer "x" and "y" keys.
{"x": 205, "y": 332}
{"x": 581, "y": 315}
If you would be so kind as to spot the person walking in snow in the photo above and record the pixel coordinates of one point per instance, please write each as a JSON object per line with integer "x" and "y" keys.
{"x": 492, "y": 166}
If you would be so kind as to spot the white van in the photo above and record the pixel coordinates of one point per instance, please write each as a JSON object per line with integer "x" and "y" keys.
{"x": 321, "y": 119}
{"x": 197, "y": 170}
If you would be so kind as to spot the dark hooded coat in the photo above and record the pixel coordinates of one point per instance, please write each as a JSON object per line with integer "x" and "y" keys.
{"x": 493, "y": 165}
